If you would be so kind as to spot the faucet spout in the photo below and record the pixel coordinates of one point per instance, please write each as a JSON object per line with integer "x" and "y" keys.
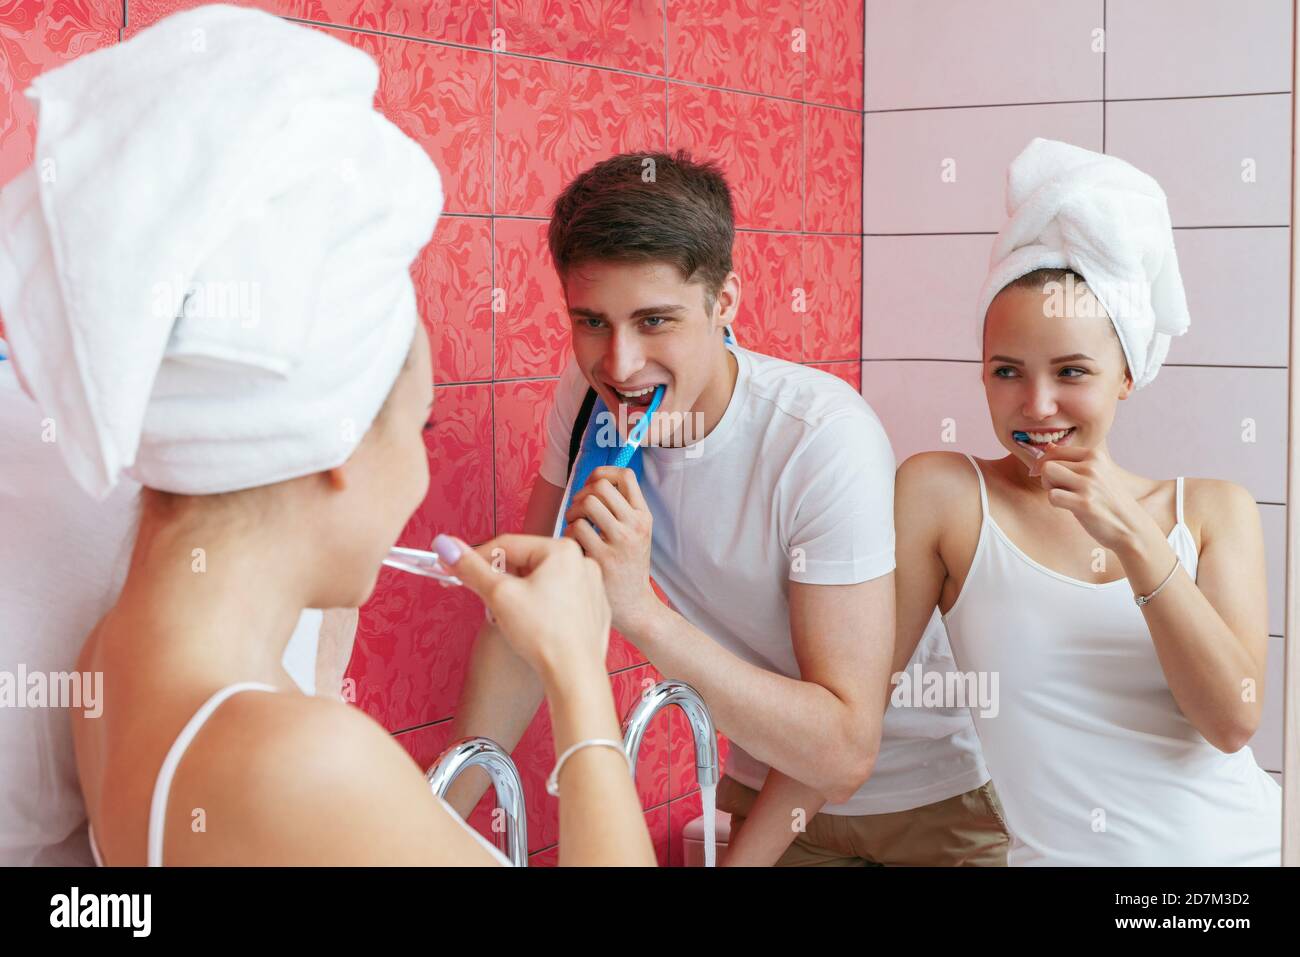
{"x": 697, "y": 714}
{"x": 492, "y": 758}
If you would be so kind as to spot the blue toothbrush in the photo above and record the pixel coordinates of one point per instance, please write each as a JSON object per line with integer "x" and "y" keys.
{"x": 592, "y": 455}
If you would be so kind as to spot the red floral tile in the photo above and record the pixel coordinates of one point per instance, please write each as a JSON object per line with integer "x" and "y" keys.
{"x": 850, "y": 372}
{"x": 453, "y": 282}
{"x": 833, "y": 159}
{"x": 621, "y": 653}
{"x": 772, "y": 297}
{"x": 555, "y": 120}
{"x": 519, "y": 421}
{"x": 656, "y": 821}
{"x": 456, "y": 21}
{"x": 35, "y": 36}
{"x": 738, "y": 44}
{"x": 834, "y": 61}
{"x": 681, "y": 812}
{"x": 757, "y": 140}
{"x": 549, "y": 857}
{"x": 532, "y": 326}
{"x": 459, "y": 499}
{"x": 412, "y": 647}
{"x": 832, "y": 326}
{"x": 625, "y": 34}
{"x": 441, "y": 97}
{"x": 414, "y": 635}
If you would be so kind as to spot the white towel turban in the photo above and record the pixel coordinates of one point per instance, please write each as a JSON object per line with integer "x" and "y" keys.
{"x": 205, "y": 272}
{"x": 1075, "y": 209}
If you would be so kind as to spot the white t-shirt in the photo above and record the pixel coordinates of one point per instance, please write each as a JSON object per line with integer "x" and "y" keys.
{"x": 795, "y": 483}
{"x": 63, "y": 558}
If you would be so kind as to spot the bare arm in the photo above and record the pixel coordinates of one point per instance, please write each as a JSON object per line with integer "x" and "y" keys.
{"x": 782, "y": 806}
{"x": 842, "y": 636}
{"x": 1210, "y": 635}
{"x": 501, "y": 693}
{"x": 783, "y": 802}
{"x": 919, "y": 576}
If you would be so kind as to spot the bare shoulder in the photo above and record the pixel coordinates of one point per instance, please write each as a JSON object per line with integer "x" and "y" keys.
{"x": 1218, "y": 508}
{"x": 934, "y": 475}
{"x": 294, "y": 779}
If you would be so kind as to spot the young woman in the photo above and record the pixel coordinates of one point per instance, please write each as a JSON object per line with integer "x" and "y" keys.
{"x": 281, "y": 452}
{"x": 1121, "y": 729}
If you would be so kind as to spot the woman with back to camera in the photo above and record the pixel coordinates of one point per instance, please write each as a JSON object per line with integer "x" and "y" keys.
{"x": 281, "y": 449}
{"x": 1125, "y": 616}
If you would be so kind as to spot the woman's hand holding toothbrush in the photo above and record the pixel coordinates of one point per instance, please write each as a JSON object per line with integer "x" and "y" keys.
{"x": 547, "y": 599}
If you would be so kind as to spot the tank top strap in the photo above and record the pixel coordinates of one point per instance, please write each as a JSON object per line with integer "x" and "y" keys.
{"x": 984, "y": 498}
{"x": 1178, "y": 501}
{"x": 163, "y": 785}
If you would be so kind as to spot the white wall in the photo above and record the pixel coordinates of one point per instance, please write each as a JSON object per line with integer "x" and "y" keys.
{"x": 1187, "y": 90}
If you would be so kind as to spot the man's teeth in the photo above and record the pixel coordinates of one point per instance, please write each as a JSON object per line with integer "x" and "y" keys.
{"x": 1042, "y": 438}
{"x": 636, "y": 395}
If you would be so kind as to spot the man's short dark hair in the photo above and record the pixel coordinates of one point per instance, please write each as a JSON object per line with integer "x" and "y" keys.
{"x": 647, "y": 207}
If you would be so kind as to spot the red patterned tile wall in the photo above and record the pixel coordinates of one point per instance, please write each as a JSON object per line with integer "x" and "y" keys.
{"x": 511, "y": 98}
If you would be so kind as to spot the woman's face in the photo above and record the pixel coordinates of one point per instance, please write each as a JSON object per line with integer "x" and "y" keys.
{"x": 384, "y": 481}
{"x": 1057, "y": 377}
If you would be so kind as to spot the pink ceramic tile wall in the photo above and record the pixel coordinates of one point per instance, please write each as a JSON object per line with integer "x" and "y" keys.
{"x": 511, "y": 98}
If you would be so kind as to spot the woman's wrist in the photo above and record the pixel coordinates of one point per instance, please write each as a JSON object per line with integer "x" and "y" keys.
{"x": 1145, "y": 556}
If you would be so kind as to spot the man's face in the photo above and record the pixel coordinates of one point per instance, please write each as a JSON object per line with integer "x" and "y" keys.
{"x": 640, "y": 325}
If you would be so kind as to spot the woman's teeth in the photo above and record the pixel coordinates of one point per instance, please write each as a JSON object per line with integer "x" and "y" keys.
{"x": 1042, "y": 438}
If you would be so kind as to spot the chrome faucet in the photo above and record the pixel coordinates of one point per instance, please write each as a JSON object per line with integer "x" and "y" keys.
{"x": 692, "y": 704}
{"x": 492, "y": 758}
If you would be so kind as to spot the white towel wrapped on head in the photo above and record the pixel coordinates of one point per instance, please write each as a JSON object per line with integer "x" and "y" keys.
{"x": 205, "y": 272}
{"x": 1071, "y": 208}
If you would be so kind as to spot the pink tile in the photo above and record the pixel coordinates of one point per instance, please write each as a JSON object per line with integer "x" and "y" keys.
{"x": 532, "y": 328}
{"x": 757, "y": 140}
{"x": 738, "y": 44}
{"x": 833, "y": 63}
{"x": 555, "y": 120}
{"x": 626, "y": 34}
{"x": 850, "y": 372}
{"x": 453, "y": 281}
{"x": 456, "y": 21}
{"x": 652, "y": 763}
{"x": 832, "y": 326}
{"x": 771, "y": 281}
{"x": 680, "y": 813}
{"x": 833, "y": 158}
{"x": 441, "y": 97}
{"x": 519, "y": 420}
{"x": 39, "y": 35}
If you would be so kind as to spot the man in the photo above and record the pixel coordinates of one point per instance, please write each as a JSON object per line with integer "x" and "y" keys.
{"x": 766, "y": 516}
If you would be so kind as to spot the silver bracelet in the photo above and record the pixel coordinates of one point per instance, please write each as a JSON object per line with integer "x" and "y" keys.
{"x": 553, "y": 782}
{"x": 1143, "y": 599}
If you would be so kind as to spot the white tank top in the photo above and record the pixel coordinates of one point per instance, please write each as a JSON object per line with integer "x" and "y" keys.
{"x": 163, "y": 784}
{"x": 1092, "y": 758}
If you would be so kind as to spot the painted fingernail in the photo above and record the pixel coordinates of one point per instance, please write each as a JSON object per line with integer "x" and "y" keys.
{"x": 447, "y": 549}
